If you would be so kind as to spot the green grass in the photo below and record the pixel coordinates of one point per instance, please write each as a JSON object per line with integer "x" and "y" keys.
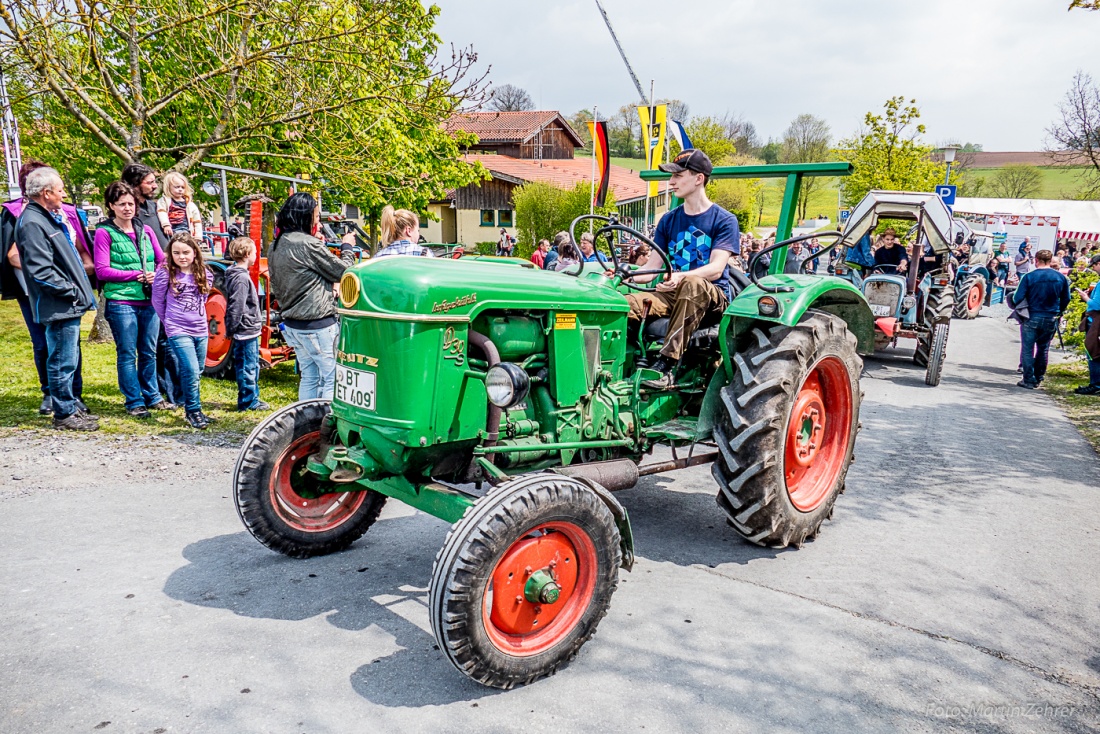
{"x": 1082, "y": 410}
{"x": 20, "y": 394}
{"x": 1058, "y": 182}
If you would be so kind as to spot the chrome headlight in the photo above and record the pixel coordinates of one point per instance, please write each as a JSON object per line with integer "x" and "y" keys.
{"x": 908, "y": 303}
{"x": 506, "y": 385}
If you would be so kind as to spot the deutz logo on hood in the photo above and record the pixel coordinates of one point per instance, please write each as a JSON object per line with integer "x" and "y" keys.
{"x": 446, "y": 305}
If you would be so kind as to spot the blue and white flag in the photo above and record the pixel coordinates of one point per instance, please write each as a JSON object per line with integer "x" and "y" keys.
{"x": 679, "y": 134}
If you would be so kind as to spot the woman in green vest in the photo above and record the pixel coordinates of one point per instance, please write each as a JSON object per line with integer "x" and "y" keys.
{"x": 126, "y": 257}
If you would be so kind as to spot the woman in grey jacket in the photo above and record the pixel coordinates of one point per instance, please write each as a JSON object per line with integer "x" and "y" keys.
{"x": 303, "y": 272}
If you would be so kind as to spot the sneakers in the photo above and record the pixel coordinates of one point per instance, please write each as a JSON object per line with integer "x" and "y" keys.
{"x": 1088, "y": 390}
{"x": 76, "y": 422}
{"x": 197, "y": 421}
{"x": 163, "y": 405}
{"x": 207, "y": 418}
{"x": 666, "y": 367}
{"x": 83, "y": 410}
{"x": 139, "y": 412}
{"x": 46, "y": 408}
{"x": 1028, "y": 385}
{"x": 258, "y": 405}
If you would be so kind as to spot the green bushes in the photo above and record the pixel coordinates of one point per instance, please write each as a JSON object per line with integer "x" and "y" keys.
{"x": 1077, "y": 279}
{"x": 543, "y": 210}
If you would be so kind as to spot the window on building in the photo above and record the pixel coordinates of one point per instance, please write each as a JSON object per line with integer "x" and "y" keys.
{"x": 488, "y": 218}
{"x": 504, "y": 217}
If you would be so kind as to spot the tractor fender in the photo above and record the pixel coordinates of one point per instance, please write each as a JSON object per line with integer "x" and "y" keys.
{"x": 622, "y": 520}
{"x": 832, "y": 295}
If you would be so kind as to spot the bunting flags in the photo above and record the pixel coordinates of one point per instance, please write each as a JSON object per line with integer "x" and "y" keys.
{"x": 603, "y": 160}
{"x": 679, "y": 134}
{"x": 653, "y": 135}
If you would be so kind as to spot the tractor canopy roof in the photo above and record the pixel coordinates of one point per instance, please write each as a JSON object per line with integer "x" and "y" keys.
{"x": 426, "y": 286}
{"x": 927, "y": 210}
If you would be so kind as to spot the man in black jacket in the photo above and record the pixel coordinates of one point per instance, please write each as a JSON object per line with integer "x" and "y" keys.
{"x": 58, "y": 288}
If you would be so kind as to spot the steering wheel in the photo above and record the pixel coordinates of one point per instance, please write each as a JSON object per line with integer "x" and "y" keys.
{"x": 621, "y": 269}
{"x": 882, "y": 268}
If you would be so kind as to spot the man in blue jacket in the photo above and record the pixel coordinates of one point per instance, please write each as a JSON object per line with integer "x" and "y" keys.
{"x": 58, "y": 288}
{"x": 1046, "y": 294}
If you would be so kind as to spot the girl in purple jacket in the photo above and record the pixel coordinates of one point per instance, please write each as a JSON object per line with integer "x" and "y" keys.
{"x": 179, "y": 297}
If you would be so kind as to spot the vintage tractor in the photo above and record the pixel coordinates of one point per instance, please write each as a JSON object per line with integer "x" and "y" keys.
{"x": 915, "y": 304}
{"x": 511, "y": 402}
{"x": 975, "y": 284}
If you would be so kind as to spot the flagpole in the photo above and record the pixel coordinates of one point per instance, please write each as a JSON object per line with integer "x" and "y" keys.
{"x": 592, "y": 198}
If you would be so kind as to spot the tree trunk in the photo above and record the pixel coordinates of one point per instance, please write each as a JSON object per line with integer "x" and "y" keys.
{"x": 101, "y": 330}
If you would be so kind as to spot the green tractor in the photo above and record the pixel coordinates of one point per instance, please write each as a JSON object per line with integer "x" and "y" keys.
{"x": 511, "y": 402}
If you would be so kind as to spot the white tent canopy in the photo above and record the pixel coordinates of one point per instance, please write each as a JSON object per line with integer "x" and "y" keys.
{"x": 1077, "y": 220}
{"x": 936, "y": 220}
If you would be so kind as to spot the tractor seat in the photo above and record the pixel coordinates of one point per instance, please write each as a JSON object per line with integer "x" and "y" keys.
{"x": 657, "y": 329}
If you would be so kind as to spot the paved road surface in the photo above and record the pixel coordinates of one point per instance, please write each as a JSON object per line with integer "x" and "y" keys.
{"x": 957, "y": 578}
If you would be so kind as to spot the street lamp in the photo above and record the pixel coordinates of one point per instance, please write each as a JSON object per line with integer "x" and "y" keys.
{"x": 949, "y": 152}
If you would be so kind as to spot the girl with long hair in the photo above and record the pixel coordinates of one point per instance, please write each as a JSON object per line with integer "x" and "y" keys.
{"x": 401, "y": 234}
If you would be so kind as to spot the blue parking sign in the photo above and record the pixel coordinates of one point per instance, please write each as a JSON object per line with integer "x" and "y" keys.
{"x": 947, "y": 193}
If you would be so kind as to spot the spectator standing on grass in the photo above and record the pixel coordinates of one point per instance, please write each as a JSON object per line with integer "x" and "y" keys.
{"x": 1092, "y": 332}
{"x": 143, "y": 180}
{"x": 1045, "y": 291}
{"x": 58, "y": 290}
{"x": 126, "y": 258}
{"x": 538, "y": 257}
{"x": 303, "y": 272}
{"x": 176, "y": 209}
{"x": 401, "y": 234}
{"x": 179, "y": 297}
{"x": 244, "y": 322}
{"x": 13, "y": 283}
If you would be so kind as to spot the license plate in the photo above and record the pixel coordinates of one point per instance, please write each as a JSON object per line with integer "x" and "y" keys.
{"x": 355, "y": 387}
{"x": 878, "y": 310}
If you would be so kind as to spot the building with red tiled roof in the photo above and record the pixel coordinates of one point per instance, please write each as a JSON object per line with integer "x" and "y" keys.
{"x": 517, "y": 148}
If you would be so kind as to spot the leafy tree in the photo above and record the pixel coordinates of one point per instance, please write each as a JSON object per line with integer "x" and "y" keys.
{"x": 887, "y": 153}
{"x": 806, "y": 141}
{"x": 543, "y": 210}
{"x": 1085, "y": 4}
{"x": 741, "y": 196}
{"x": 1017, "y": 181}
{"x": 509, "y": 98}
{"x": 624, "y": 133}
{"x": 579, "y": 121}
{"x": 1076, "y": 135}
{"x": 771, "y": 152}
{"x": 677, "y": 109}
{"x": 351, "y": 93}
{"x": 742, "y": 133}
{"x": 708, "y": 134}
{"x": 971, "y": 148}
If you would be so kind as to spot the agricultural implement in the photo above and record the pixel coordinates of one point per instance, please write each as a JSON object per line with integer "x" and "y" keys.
{"x": 511, "y": 402}
{"x": 916, "y": 304}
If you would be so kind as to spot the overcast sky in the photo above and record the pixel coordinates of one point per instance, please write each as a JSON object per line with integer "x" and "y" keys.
{"x": 985, "y": 71}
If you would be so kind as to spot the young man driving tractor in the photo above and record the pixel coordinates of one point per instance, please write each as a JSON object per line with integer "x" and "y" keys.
{"x": 699, "y": 238}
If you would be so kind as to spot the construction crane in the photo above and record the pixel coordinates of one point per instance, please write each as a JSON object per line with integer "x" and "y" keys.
{"x": 12, "y": 157}
{"x": 630, "y": 70}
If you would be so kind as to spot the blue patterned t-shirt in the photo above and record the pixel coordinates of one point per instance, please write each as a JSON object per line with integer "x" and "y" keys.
{"x": 688, "y": 240}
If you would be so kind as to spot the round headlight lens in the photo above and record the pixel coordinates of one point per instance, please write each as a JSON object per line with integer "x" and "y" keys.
{"x": 506, "y": 385}
{"x": 908, "y": 303}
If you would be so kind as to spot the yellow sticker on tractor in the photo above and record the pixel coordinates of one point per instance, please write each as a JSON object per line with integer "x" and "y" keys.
{"x": 565, "y": 321}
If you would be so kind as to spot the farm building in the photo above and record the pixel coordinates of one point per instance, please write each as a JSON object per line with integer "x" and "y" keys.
{"x": 516, "y": 148}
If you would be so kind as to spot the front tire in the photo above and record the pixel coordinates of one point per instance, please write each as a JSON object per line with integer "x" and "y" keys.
{"x": 936, "y": 355}
{"x": 485, "y": 604}
{"x": 970, "y": 297}
{"x": 788, "y": 432}
{"x": 286, "y": 507}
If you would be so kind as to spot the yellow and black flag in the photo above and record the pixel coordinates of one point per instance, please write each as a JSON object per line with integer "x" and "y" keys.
{"x": 603, "y": 160}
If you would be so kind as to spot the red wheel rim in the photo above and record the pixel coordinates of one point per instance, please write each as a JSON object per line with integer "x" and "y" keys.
{"x": 818, "y": 431}
{"x": 217, "y": 344}
{"x": 521, "y": 627}
{"x": 288, "y": 476}
{"x": 974, "y": 298}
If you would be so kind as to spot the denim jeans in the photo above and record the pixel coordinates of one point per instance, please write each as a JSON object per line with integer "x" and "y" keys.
{"x": 246, "y": 361}
{"x": 63, "y": 343}
{"x": 41, "y": 352}
{"x": 135, "y": 329}
{"x": 315, "y": 350}
{"x": 168, "y": 371}
{"x": 1035, "y": 336}
{"x": 190, "y": 353}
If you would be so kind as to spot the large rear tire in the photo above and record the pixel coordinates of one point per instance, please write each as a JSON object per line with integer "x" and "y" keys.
{"x": 937, "y": 354}
{"x": 286, "y": 507}
{"x": 523, "y": 579}
{"x": 789, "y": 428}
{"x": 969, "y": 297}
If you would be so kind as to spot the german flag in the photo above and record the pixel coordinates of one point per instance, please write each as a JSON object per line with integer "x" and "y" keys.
{"x": 603, "y": 160}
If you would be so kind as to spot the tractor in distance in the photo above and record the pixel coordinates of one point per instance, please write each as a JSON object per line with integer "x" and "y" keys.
{"x": 915, "y": 304}
{"x": 511, "y": 402}
{"x": 975, "y": 284}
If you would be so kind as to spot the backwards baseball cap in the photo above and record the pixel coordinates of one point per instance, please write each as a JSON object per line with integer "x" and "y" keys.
{"x": 689, "y": 160}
